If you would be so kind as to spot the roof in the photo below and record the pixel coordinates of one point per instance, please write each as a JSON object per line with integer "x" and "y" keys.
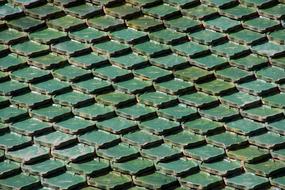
{"x": 142, "y": 94}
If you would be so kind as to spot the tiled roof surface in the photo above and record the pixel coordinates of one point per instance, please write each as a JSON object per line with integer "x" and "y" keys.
{"x": 142, "y": 94}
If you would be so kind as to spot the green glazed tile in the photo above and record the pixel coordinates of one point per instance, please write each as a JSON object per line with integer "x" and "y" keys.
{"x": 29, "y": 48}
{"x": 60, "y": 182}
{"x": 266, "y": 168}
{"x": 248, "y": 154}
{"x": 71, "y": 73}
{"x": 19, "y": 181}
{"x": 271, "y": 74}
{"x": 65, "y": 3}
{"x": 151, "y": 48}
{"x": 88, "y": 61}
{"x": 88, "y": 35}
{"x": 246, "y": 37}
{"x": 256, "y": 3}
{"x": 84, "y": 10}
{"x": 262, "y": 113}
{"x": 205, "y": 153}
{"x": 278, "y": 181}
{"x": 9, "y": 11}
{"x": 105, "y": 22}
{"x": 167, "y": 36}
{"x": 162, "y": 11}
{"x": 11, "y": 36}
{"x": 133, "y": 86}
{"x": 129, "y": 61}
{"x": 124, "y": 11}
{"x": 233, "y": 74}
{"x": 155, "y": 180}
{"x": 70, "y": 48}
{"x": 51, "y": 86}
{"x": 181, "y": 3}
{"x": 99, "y": 139}
{"x": 153, "y": 73}
{"x": 116, "y": 99}
{"x": 12, "y": 87}
{"x": 141, "y": 139}
{"x": 230, "y": 49}
{"x": 111, "y": 48}
{"x": 249, "y": 62}
{"x": 10, "y": 141}
{"x": 43, "y": 12}
{"x": 174, "y": 87}
{"x": 144, "y": 23}
{"x": 133, "y": 167}
{"x": 159, "y": 126}
{"x": 118, "y": 153}
{"x": 179, "y": 112}
{"x": 260, "y": 24}
{"x": 219, "y": 113}
{"x": 178, "y": 167}
{"x": 55, "y": 139}
{"x": 184, "y": 139}
{"x": 143, "y": 3}
{"x": 74, "y": 153}
{"x": 209, "y": 62}
{"x": 28, "y": 154}
{"x": 170, "y": 61}
{"x": 74, "y": 125}
{"x": 25, "y": 23}
{"x": 276, "y": 126}
{"x": 51, "y": 113}
{"x": 273, "y": 12}
{"x": 207, "y": 37}
{"x": 269, "y": 49}
{"x": 222, "y": 24}
{"x": 30, "y": 100}
{"x": 278, "y": 154}
{"x": 73, "y": 99}
{"x": 94, "y": 111}
{"x": 201, "y": 180}
{"x": 198, "y": 99}
{"x": 245, "y": 127}
{"x": 4, "y": 101}
{"x": 222, "y": 167}
{"x": 216, "y": 87}
{"x": 200, "y": 12}
{"x": 89, "y": 167}
{"x": 239, "y": 12}
{"x": 136, "y": 112}
{"x": 30, "y": 127}
{"x": 268, "y": 140}
{"x": 92, "y": 86}
{"x": 112, "y": 73}
{"x": 161, "y": 153}
{"x": 44, "y": 168}
{"x": 220, "y": 3}
{"x": 111, "y": 180}
{"x": 157, "y": 99}
{"x": 8, "y": 168}
{"x": 193, "y": 74}
{"x": 66, "y": 23}
{"x": 47, "y": 36}
{"x": 30, "y": 74}
{"x": 227, "y": 140}
{"x": 240, "y": 100}
{"x": 129, "y": 36}
{"x": 257, "y": 87}
{"x": 276, "y": 100}
{"x": 277, "y": 36}
{"x": 247, "y": 180}
{"x": 11, "y": 113}
{"x": 47, "y": 61}
{"x": 11, "y": 62}
{"x": 190, "y": 49}
{"x": 117, "y": 125}
{"x": 183, "y": 24}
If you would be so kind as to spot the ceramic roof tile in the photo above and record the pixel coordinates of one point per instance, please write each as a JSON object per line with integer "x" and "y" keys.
{"x": 142, "y": 94}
